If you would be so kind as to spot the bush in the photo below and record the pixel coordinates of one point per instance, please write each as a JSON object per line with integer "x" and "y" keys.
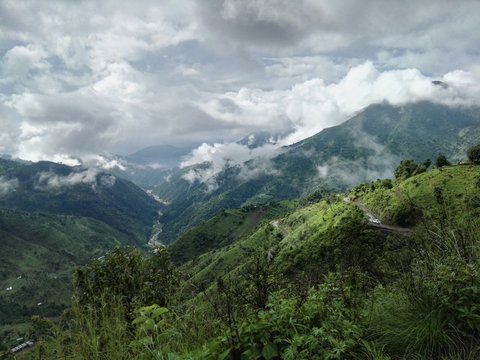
{"x": 474, "y": 154}
{"x": 409, "y": 168}
{"x": 125, "y": 274}
{"x": 442, "y": 161}
{"x": 321, "y": 327}
{"x": 407, "y": 214}
{"x": 408, "y": 326}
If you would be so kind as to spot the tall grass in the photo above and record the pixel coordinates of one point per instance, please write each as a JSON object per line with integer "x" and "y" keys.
{"x": 91, "y": 334}
{"x": 433, "y": 311}
{"x": 100, "y": 333}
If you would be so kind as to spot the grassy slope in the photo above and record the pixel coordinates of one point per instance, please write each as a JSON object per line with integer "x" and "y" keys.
{"x": 226, "y": 227}
{"x": 298, "y": 240}
{"x": 307, "y": 237}
{"x": 459, "y": 188}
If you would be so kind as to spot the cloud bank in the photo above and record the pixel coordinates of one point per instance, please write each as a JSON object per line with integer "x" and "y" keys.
{"x": 311, "y": 106}
{"x": 7, "y": 185}
{"x": 91, "y": 176}
{"x": 86, "y": 78}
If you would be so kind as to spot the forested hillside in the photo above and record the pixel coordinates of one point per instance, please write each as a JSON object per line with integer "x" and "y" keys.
{"x": 54, "y": 218}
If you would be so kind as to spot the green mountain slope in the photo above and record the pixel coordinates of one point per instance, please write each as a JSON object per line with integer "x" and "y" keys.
{"x": 367, "y": 147}
{"x": 53, "y": 218}
{"x": 59, "y": 189}
{"x": 323, "y": 235}
{"x": 225, "y": 228}
{"x": 38, "y": 254}
{"x": 450, "y": 190}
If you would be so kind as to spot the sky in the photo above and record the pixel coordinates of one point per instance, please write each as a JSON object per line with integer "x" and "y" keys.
{"x": 79, "y": 78}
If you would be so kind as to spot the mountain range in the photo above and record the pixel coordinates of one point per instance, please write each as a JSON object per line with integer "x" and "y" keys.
{"x": 368, "y": 146}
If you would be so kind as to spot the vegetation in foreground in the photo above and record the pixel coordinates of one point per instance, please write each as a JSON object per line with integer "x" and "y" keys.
{"x": 320, "y": 283}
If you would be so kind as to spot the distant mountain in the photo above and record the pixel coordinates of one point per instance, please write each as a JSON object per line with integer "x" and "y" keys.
{"x": 257, "y": 139}
{"x": 150, "y": 166}
{"x": 165, "y": 156}
{"x": 54, "y": 217}
{"x": 368, "y": 146}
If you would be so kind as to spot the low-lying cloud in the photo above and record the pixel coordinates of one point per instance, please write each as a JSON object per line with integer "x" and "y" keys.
{"x": 90, "y": 176}
{"x": 311, "y": 106}
{"x": 216, "y": 157}
{"x": 7, "y": 185}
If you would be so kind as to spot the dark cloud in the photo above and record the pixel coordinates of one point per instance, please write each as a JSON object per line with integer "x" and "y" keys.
{"x": 274, "y": 23}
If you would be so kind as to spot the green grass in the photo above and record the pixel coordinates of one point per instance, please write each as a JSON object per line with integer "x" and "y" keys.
{"x": 459, "y": 186}
{"x": 225, "y": 228}
{"x": 312, "y": 232}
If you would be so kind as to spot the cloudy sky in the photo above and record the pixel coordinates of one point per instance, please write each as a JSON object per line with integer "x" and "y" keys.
{"x": 85, "y": 77}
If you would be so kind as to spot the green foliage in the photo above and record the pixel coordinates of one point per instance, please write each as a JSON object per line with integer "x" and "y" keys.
{"x": 473, "y": 154}
{"x": 409, "y": 168}
{"x": 148, "y": 325}
{"x": 441, "y": 161}
{"x": 125, "y": 274}
{"x": 407, "y": 214}
{"x": 320, "y": 327}
{"x": 41, "y": 327}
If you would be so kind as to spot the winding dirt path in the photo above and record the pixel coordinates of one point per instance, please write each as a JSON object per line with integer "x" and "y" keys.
{"x": 282, "y": 229}
{"x": 374, "y": 222}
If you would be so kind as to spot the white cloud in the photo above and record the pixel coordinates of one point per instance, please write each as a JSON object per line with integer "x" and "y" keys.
{"x": 20, "y": 60}
{"x": 216, "y": 157}
{"x": 87, "y": 78}
{"x": 90, "y": 176}
{"x": 7, "y": 185}
{"x": 310, "y": 106}
{"x": 104, "y": 162}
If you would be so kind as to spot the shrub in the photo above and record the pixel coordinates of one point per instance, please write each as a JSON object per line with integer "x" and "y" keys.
{"x": 473, "y": 154}
{"x": 441, "y": 161}
{"x": 321, "y": 327}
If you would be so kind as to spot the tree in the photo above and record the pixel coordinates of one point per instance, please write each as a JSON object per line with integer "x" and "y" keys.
{"x": 125, "y": 274}
{"x": 408, "y": 168}
{"x": 442, "y": 161}
{"x": 474, "y": 154}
